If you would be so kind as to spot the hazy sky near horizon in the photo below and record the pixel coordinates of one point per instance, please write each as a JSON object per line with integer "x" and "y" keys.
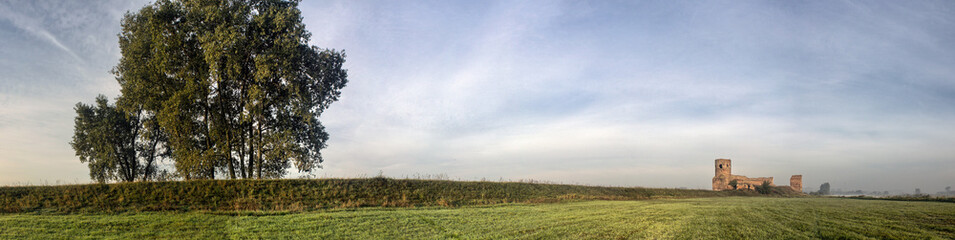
{"x": 860, "y": 94}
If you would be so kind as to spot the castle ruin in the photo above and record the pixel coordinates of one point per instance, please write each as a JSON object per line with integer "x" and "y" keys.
{"x": 725, "y": 179}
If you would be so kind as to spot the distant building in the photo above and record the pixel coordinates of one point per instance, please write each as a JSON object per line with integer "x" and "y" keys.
{"x": 724, "y": 178}
{"x": 795, "y": 182}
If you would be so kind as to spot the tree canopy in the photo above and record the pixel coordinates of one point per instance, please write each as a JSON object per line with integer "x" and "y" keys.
{"x": 823, "y": 189}
{"x": 105, "y": 139}
{"x": 228, "y": 87}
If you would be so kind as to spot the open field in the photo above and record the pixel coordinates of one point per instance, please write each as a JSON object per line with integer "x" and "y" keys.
{"x": 696, "y": 218}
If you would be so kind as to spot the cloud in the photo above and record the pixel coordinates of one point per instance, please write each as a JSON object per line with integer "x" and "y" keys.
{"x": 575, "y": 94}
{"x": 54, "y": 55}
{"x": 33, "y": 27}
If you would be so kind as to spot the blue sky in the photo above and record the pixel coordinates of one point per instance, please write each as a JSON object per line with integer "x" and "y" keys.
{"x": 630, "y": 93}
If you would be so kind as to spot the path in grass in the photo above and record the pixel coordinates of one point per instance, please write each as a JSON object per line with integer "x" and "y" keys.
{"x": 724, "y": 218}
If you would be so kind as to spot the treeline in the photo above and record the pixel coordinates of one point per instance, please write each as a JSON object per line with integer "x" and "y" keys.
{"x": 217, "y": 87}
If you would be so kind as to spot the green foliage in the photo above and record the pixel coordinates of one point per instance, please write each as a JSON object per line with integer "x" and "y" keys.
{"x": 823, "y": 189}
{"x": 232, "y": 195}
{"x": 105, "y": 139}
{"x": 733, "y": 183}
{"x": 764, "y": 188}
{"x": 228, "y": 86}
{"x": 700, "y": 218}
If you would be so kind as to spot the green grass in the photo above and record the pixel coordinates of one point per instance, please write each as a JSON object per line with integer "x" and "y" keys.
{"x": 697, "y": 218}
{"x": 305, "y": 195}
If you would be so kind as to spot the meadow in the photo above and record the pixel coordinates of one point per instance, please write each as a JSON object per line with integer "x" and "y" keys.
{"x": 693, "y": 218}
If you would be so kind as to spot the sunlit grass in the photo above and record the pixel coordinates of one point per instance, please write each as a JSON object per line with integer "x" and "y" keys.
{"x": 699, "y": 218}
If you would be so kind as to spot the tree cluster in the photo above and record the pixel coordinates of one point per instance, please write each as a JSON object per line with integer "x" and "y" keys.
{"x": 823, "y": 190}
{"x": 227, "y": 87}
{"x": 764, "y": 188}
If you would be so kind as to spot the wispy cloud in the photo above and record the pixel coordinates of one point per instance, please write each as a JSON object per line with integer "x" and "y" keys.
{"x": 54, "y": 54}
{"x": 33, "y": 27}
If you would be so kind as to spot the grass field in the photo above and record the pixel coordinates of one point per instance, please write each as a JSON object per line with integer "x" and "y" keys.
{"x": 696, "y": 218}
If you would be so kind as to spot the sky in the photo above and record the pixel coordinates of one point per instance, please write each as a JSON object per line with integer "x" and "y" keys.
{"x": 860, "y": 94}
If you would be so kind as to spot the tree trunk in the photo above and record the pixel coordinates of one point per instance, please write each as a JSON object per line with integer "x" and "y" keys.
{"x": 259, "y": 165}
{"x": 147, "y": 170}
{"x": 131, "y": 158}
{"x": 242, "y": 152}
{"x": 251, "y": 165}
{"x": 242, "y": 157}
{"x": 210, "y": 162}
{"x": 229, "y": 155}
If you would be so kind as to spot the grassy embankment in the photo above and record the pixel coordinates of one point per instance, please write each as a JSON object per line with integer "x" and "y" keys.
{"x": 918, "y": 198}
{"x": 304, "y": 195}
{"x": 696, "y": 218}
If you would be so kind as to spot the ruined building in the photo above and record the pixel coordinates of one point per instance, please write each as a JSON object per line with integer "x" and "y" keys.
{"x": 724, "y": 177}
{"x": 795, "y": 182}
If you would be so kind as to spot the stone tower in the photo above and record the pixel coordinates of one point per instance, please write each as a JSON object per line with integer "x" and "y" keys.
{"x": 723, "y": 174}
{"x": 723, "y": 167}
{"x": 795, "y": 182}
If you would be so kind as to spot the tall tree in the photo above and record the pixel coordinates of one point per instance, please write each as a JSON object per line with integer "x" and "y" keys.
{"x": 106, "y": 139}
{"x": 232, "y": 86}
{"x": 824, "y": 189}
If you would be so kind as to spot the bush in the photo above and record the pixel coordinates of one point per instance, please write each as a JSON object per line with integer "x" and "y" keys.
{"x": 823, "y": 190}
{"x": 764, "y": 188}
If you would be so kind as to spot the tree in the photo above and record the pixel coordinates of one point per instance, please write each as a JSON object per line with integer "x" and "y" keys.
{"x": 948, "y": 189}
{"x": 764, "y": 188}
{"x": 229, "y": 86}
{"x": 823, "y": 189}
{"x": 106, "y": 139}
{"x": 734, "y": 183}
